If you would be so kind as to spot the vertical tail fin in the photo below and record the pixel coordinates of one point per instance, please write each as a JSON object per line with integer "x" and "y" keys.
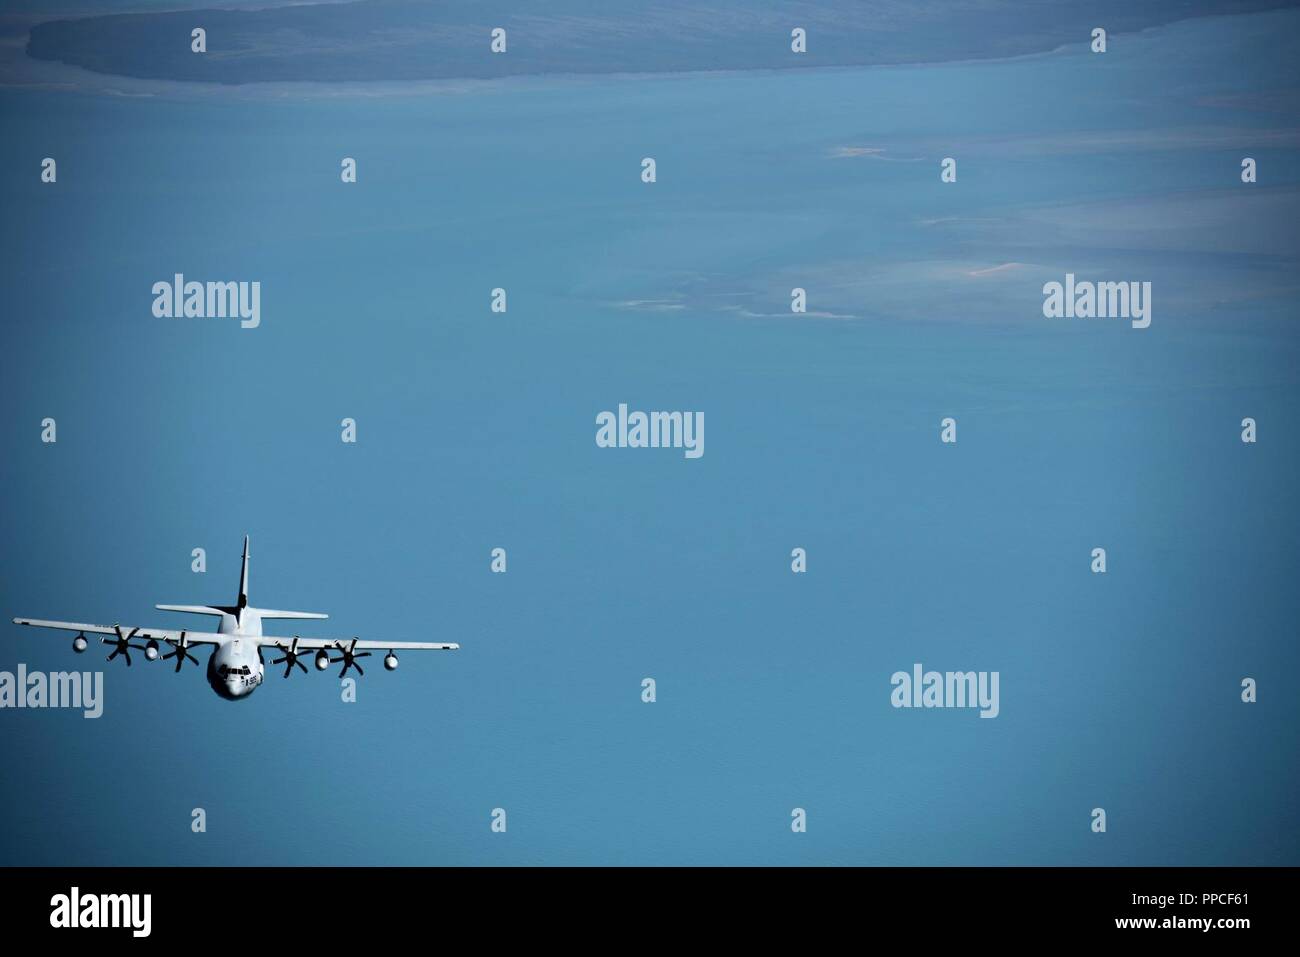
{"x": 243, "y": 578}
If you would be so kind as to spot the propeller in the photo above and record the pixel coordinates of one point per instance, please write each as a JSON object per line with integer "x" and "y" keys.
{"x": 180, "y": 652}
{"x": 349, "y": 657}
{"x": 122, "y": 644}
{"x": 291, "y": 657}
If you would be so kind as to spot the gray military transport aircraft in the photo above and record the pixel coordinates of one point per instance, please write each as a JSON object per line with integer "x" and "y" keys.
{"x": 236, "y": 667}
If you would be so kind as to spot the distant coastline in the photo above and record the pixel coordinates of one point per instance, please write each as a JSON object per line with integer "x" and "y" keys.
{"x": 408, "y": 40}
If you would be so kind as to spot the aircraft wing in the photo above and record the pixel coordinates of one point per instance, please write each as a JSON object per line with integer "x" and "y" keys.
{"x": 143, "y": 634}
{"x": 334, "y": 644}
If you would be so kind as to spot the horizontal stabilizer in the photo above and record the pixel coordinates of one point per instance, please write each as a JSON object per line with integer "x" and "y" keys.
{"x": 193, "y": 609}
{"x": 272, "y": 613}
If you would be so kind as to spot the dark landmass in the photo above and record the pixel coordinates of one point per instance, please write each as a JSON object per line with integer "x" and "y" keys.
{"x": 388, "y": 40}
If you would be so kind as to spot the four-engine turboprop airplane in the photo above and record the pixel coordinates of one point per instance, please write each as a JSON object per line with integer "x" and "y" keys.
{"x": 236, "y": 667}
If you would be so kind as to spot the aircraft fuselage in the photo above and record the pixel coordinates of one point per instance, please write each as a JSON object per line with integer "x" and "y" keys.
{"x": 236, "y": 667}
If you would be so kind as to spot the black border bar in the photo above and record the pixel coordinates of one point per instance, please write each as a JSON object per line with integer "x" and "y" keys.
{"x": 367, "y": 905}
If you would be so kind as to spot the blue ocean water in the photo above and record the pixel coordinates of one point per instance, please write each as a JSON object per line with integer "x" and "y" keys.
{"x": 476, "y": 430}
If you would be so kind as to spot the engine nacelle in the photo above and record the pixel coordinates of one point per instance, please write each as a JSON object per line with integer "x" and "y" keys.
{"x": 390, "y": 661}
{"x": 79, "y": 644}
{"x": 322, "y": 660}
{"x": 151, "y": 650}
